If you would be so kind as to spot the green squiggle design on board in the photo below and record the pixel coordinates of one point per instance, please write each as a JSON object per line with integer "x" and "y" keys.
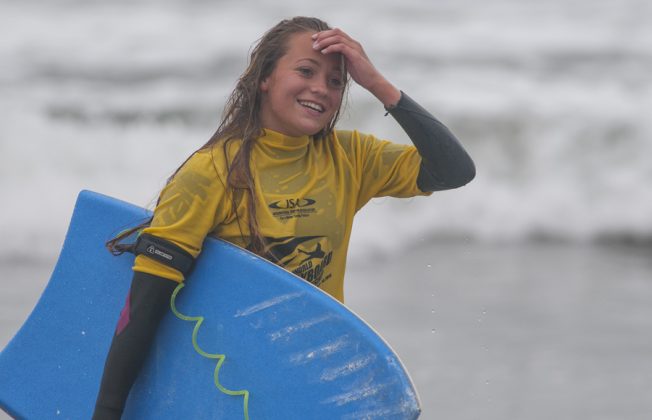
{"x": 198, "y": 320}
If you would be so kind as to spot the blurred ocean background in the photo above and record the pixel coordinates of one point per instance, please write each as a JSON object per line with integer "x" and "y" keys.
{"x": 525, "y": 295}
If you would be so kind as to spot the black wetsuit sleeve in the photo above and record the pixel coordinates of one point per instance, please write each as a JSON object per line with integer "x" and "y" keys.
{"x": 444, "y": 162}
{"x": 148, "y": 301}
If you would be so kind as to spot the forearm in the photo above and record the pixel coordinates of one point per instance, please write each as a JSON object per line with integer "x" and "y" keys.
{"x": 445, "y": 163}
{"x": 149, "y": 298}
{"x": 384, "y": 91}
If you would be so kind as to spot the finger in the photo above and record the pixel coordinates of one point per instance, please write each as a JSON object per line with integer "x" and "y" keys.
{"x": 331, "y": 36}
{"x": 337, "y": 48}
{"x": 336, "y": 43}
{"x": 329, "y": 40}
{"x": 330, "y": 32}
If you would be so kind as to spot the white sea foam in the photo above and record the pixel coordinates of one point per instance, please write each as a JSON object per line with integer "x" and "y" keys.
{"x": 552, "y": 99}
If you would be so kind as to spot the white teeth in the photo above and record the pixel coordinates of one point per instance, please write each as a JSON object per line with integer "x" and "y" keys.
{"x": 312, "y": 105}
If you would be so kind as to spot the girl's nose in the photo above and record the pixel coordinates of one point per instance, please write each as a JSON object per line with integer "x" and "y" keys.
{"x": 319, "y": 86}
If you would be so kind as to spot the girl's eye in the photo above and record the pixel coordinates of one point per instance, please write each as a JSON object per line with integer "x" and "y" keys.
{"x": 336, "y": 83}
{"x": 305, "y": 71}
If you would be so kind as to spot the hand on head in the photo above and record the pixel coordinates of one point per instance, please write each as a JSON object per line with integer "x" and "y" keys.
{"x": 358, "y": 64}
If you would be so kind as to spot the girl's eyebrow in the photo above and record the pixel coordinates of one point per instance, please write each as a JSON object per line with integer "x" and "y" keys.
{"x": 312, "y": 60}
{"x": 336, "y": 68}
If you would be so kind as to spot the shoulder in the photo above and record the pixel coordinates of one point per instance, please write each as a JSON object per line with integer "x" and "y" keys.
{"x": 349, "y": 136}
{"x": 355, "y": 142}
{"x": 351, "y": 139}
{"x": 199, "y": 160}
{"x": 212, "y": 160}
{"x": 198, "y": 165}
{"x": 205, "y": 167}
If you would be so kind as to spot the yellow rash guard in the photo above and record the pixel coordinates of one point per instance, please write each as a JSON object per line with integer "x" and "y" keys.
{"x": 307, "y": 192}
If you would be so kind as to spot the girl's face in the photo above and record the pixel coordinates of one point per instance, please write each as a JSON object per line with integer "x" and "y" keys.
{"x": 304, "y": 91}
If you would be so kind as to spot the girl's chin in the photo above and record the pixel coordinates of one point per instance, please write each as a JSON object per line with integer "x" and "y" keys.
{"x": 311, "y": 129}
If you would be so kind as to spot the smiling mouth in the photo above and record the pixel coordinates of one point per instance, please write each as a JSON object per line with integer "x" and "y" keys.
{"x": 312, "y": 105}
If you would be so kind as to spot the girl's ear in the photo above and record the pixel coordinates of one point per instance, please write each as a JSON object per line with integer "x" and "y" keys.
{"x": 264, "y": 85}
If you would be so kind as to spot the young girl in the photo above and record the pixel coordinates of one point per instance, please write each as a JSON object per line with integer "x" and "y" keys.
{"x": 278, "y": 179}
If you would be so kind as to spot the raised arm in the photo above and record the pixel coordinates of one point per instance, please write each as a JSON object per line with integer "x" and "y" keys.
{"x": 445, "y": 163}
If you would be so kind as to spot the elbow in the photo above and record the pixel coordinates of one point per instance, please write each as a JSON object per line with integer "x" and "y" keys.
{"x": 467, "y": 175}
{"x": 460, "y": 179}
{"x": 463, "y": 173}
{"x": 430, "y": 180}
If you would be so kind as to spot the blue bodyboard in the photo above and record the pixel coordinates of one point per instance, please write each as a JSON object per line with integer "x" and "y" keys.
{"x": 298, "y": 352}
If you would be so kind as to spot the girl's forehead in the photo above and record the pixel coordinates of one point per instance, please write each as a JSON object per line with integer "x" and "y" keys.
{"x": 299, "y": 47}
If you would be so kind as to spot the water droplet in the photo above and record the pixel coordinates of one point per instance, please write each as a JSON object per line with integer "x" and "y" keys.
{"x": 432, "y": 311}
{"x": 432, "y": 331}
{"x": 429, "y": 265}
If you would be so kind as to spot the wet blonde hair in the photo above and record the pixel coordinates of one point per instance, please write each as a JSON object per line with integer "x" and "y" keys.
{"x": 241, "y": 121}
